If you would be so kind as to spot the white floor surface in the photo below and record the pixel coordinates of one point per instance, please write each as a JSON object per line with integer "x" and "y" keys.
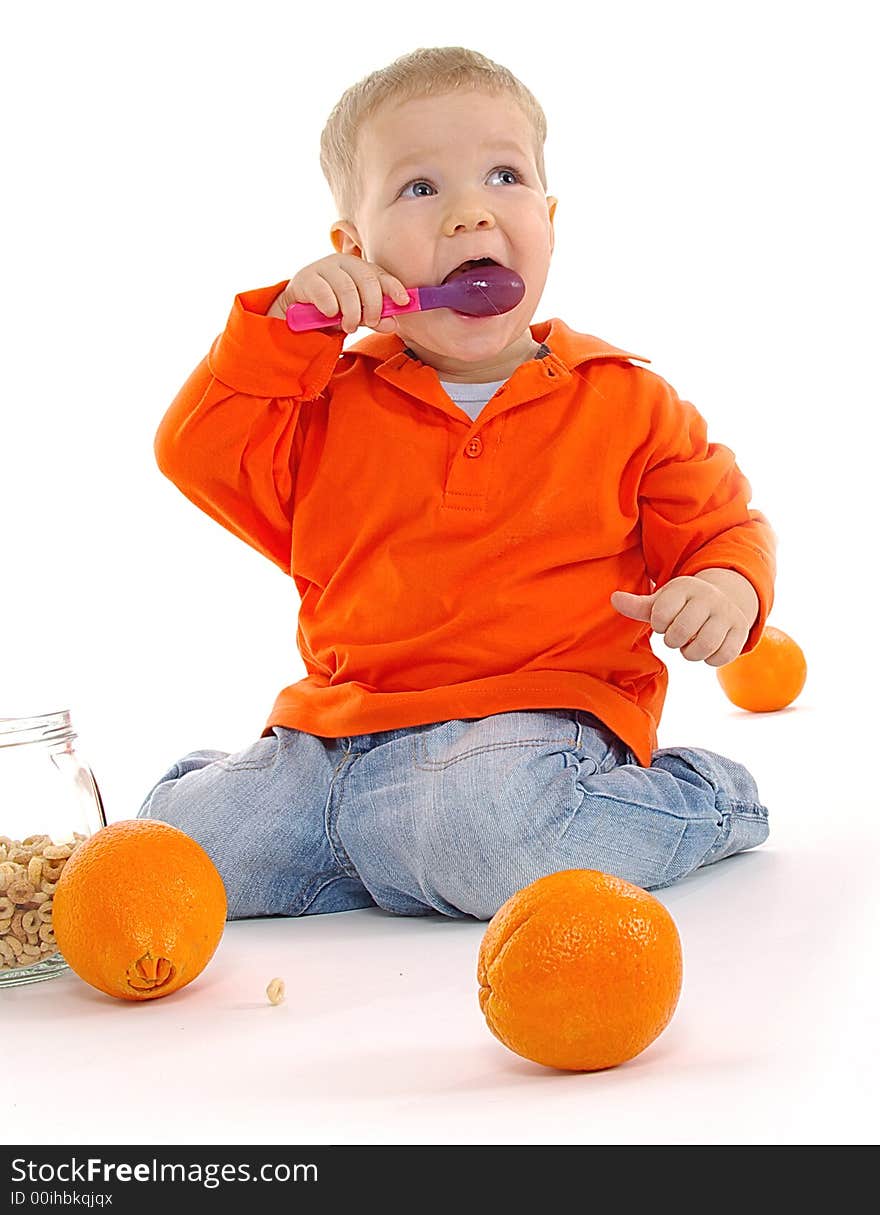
{"x": 381, "y": 1041}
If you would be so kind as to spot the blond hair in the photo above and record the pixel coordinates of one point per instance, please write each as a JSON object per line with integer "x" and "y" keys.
{"x": 428, "y": 71}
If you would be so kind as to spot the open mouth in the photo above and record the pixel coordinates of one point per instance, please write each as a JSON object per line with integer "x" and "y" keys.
{"x": 470, "y": 265}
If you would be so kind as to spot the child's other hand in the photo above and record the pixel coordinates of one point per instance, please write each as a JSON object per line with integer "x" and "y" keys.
{"x": 693, "y": 615}
{"x": 344, "y": 283}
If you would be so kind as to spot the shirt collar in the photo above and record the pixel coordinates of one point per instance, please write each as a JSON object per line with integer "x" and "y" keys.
{"x": 556, "y": 362}
{"x": 556, "y": 339}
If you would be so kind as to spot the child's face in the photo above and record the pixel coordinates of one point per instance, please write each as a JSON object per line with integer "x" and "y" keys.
{"x": 469, "y": 189}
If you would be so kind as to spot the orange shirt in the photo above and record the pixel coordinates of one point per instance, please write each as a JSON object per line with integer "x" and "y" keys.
{"x": 450, "y": 568}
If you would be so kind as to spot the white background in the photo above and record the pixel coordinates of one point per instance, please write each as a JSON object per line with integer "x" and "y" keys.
{"x": 717, "y": 214}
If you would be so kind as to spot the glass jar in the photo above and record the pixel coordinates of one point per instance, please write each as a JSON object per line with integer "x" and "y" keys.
{"x": 49, "y": 805}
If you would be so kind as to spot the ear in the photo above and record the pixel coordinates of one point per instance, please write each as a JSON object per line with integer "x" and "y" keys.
{"x": 552, "y": 204}
{"x": 346, "y": 238}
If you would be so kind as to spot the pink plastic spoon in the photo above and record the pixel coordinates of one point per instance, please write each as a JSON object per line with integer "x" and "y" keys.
{"x": 482, "y": 291}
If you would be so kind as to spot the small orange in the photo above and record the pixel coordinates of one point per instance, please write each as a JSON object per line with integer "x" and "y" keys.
{"x": 139, "y": 909}
{"x": 769, "y": 677}
{"x": 579, "y": 970}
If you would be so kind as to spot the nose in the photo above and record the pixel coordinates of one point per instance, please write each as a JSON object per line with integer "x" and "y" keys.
{"x": 464, "y": 219}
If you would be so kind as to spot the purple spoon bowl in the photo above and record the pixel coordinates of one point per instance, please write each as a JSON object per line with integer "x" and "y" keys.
{"x": 483, "y": 291}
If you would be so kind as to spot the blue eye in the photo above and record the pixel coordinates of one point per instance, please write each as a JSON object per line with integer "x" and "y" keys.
{"x": 421, "y": 182}
{"x": 416, "y": 183}
{"x": 512, "y": 172}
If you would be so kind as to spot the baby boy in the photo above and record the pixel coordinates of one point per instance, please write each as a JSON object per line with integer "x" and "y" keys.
{"x": 486, "y": 520}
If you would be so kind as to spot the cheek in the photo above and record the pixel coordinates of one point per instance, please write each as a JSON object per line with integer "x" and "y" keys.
{"x": 402, "y": 251}
{"x": 541, "y": 232}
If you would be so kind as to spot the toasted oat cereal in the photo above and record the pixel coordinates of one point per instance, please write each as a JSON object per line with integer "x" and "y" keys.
{"x": 275, "y": 991}
{"x": 29, "y": 871}
{"x": 20, "y": 892}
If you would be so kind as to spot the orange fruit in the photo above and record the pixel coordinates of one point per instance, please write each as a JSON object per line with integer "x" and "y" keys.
{"x": 769, "y": 677}
{"x": 139, "y": 909}
{"x": 579, "y": 970}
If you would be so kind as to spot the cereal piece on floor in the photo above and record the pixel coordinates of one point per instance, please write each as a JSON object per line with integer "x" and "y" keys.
{"x": 275, "y": 991}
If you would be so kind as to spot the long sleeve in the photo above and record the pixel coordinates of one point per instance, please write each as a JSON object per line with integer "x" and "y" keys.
{"x": 231, "y": 438}
{"x": 694, "y": 507}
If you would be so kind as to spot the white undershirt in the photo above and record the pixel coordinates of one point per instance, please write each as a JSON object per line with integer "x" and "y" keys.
{"x": 471, "y": 397}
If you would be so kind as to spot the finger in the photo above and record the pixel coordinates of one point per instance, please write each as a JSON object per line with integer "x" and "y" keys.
{"x": 388, "y": 324}
{"x": 371, "y": 297}
{"x": 636, "y": 607}
{"x": 707, "y": 641}
{"x": 394, "y": 288}
{"x": 686, "y": 624}
{"x": 316, "y": 291}
{"x": 668, "y": 602}
{"x": 374, "y": 288}
{"x": 730, "y": 648}
{"x": 348, "y": 295}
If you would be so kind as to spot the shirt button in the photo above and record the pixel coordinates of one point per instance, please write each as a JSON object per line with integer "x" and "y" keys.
{"x": 474, "y": 447}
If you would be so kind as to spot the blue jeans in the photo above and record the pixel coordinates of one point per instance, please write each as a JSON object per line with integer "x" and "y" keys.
{"x": 451, "y": 817}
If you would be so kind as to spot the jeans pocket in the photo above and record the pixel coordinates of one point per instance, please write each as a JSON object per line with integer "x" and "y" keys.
{"x": 442, "y": 744}
{"x": 598, "y": 746}
{"x": 259, "y": 755}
